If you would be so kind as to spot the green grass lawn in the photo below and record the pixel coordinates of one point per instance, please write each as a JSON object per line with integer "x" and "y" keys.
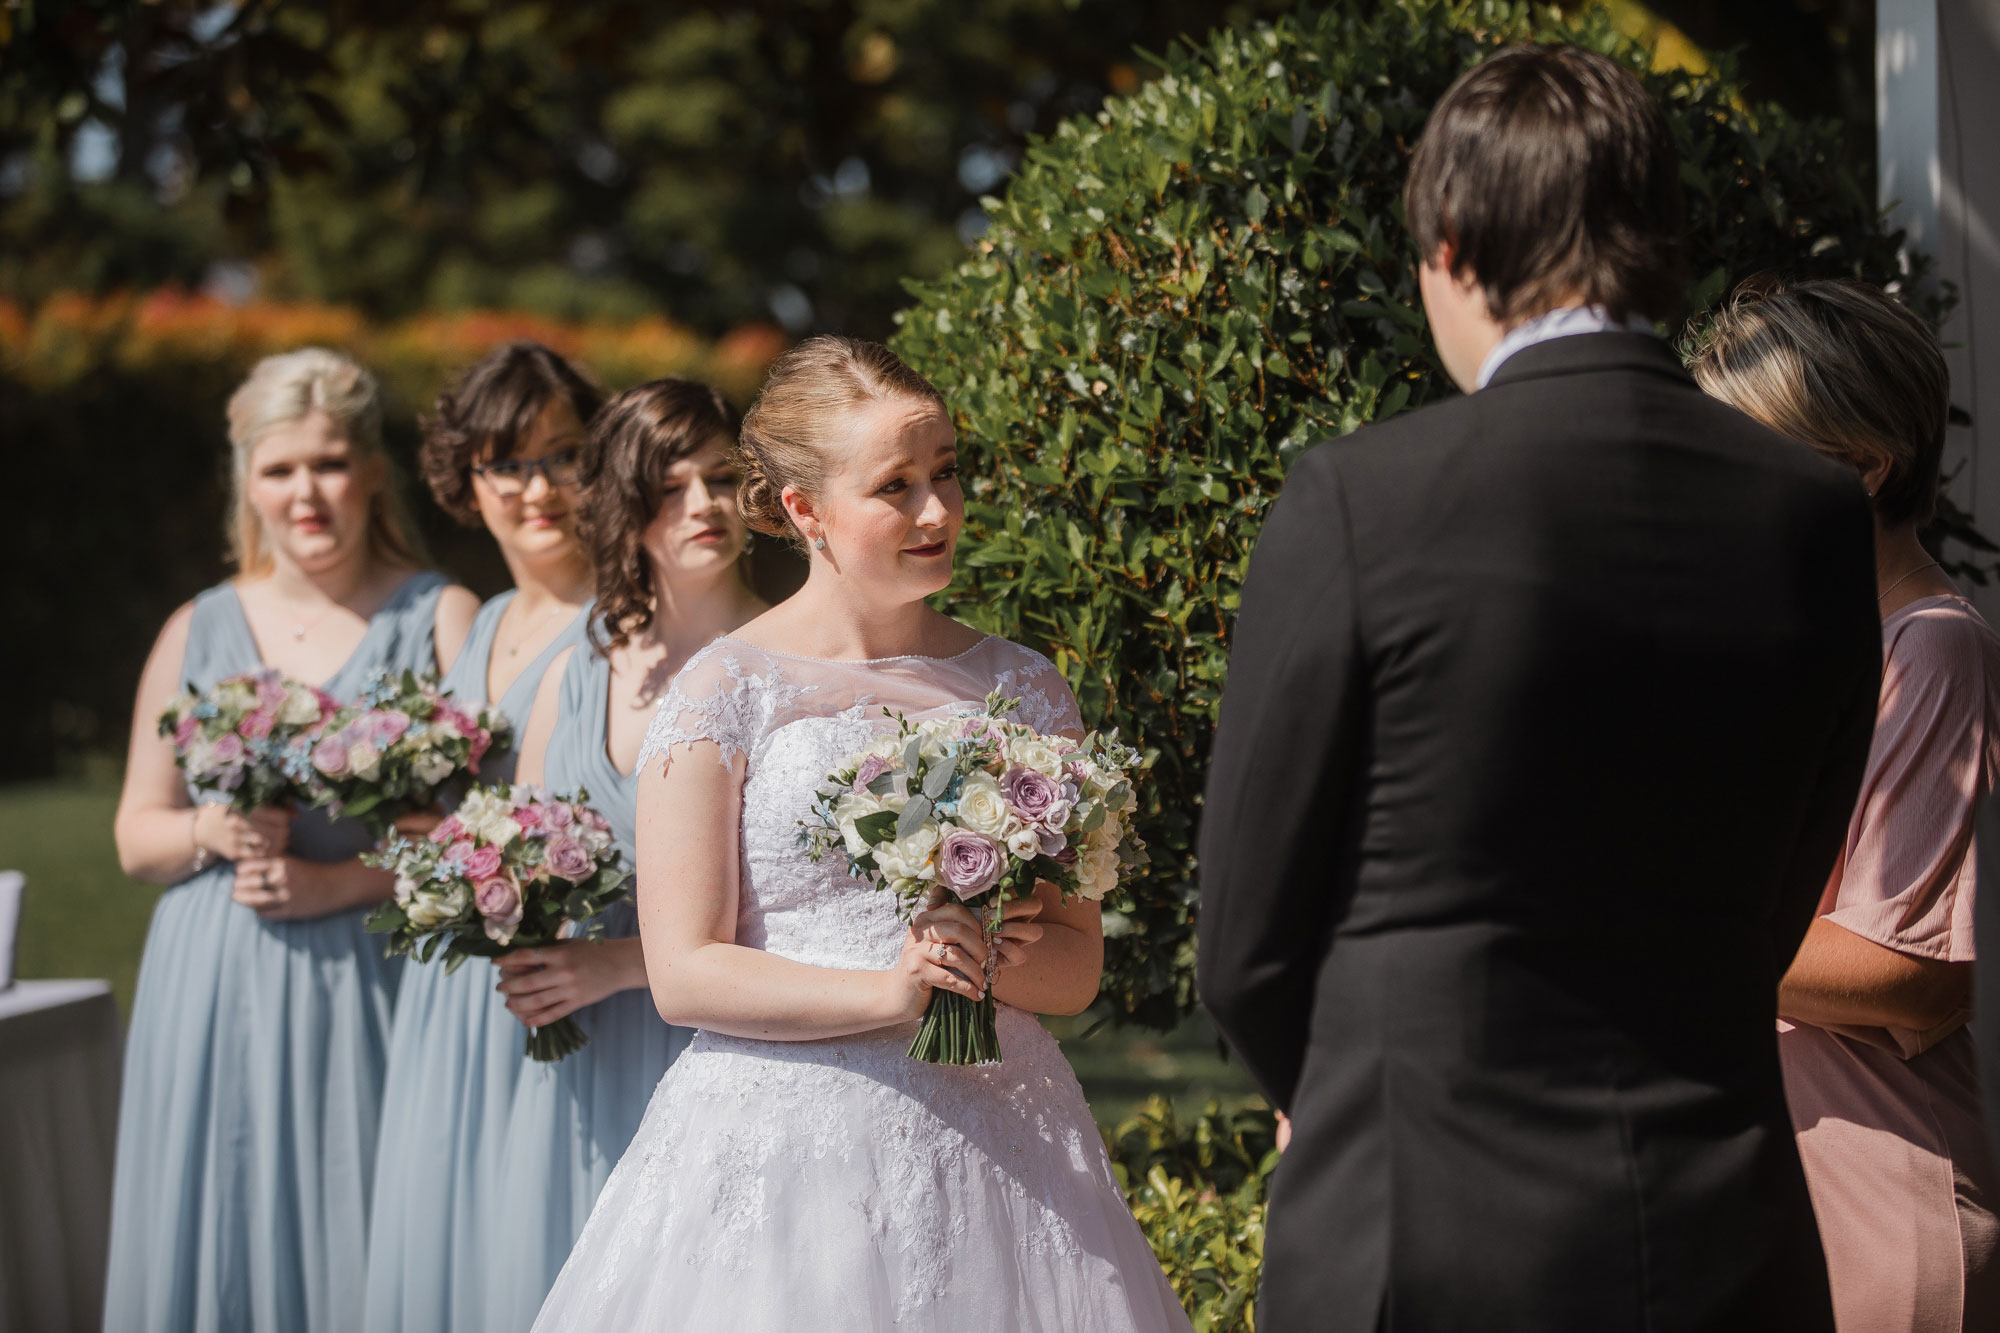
{"x": 83, "y": 918}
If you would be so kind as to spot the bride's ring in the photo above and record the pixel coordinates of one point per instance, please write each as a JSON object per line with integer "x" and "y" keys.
{"x": 938, "y": 951}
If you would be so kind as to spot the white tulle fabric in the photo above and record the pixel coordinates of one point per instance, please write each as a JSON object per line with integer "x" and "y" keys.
{"x": 839, "y": 1185}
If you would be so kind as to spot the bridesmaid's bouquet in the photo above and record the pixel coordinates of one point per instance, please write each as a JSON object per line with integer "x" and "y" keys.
{"x": 512, "y": 868}
{"x": 982, "y": 808}
{"x": 239, "y": 739}
{"x": 387, "y": 753}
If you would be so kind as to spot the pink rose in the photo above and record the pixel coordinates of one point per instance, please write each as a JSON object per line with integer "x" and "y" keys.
{"x": 557, "y": 815}
{"x": 968, "y": 862}
{"x": 567, "y": 859}
{"x": 1034, "y": 796}
{"x": 330, "y": 757}
{"x": 497, "y": 896}
{"x": 591, "y": 819}
{"x": 385, "y": 729}
{"x": 873, "y": 767}
{"x": 529, "y": 817}
{"x": 482, "y": 740}
{"x": 328, "y": 705}
{"x": 483, "y": 863}
{"x": 255, "y": 726}
{"x": 461, "y": 851}
{"x": 185, "y": 733}
{"x": 449, "y": 831}
{"x": 228, "y": 750}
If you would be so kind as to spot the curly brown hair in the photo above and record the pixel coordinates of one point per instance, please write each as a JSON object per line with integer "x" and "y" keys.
{"x": 634, "y": 440}
{"x": 482, "y": 415}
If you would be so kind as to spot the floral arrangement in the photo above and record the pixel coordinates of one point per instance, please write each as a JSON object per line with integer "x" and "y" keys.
{"x": 983, "y": 809}
{"x": 238, "y": 741}
{"x": 513, "y": 867}
{"x": 387, "y": 753}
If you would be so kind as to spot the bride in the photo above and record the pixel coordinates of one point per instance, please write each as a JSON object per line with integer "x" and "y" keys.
{"x": 795, "y": 1168}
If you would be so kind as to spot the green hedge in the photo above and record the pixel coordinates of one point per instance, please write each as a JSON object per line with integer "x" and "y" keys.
{"x": 1197, "y": 1190}
{"x": 1180, "y": 293}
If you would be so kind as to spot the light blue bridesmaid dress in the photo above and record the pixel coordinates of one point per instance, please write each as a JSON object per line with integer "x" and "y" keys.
{"x": 573, "y": 1119}
{"x": 454, "y": 1055}
{"x": 253, "y": 1068}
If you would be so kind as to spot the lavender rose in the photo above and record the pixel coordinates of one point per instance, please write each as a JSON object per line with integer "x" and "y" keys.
{"x": 969, "y": 863}
{"x": 567, "y": 858}
{"x": 497, "y": 897}
{"x": 330, "y": 757}
{"x": 873, "y": 767}
{"x": 1035, "y": 796}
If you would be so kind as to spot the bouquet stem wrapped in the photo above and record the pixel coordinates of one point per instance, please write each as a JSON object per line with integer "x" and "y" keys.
{"x": 984, "y": 809}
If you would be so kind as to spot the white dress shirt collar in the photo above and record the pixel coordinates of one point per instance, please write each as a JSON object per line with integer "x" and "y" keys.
{"x": 1563, "y": 323}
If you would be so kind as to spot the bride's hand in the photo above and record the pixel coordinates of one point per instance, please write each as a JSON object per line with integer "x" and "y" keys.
{"x": 1018, "y": 929}
{"x": 942, "y": 949}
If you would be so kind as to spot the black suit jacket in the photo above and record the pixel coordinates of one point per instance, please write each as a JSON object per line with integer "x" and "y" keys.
{"x": 1546, "y": 711}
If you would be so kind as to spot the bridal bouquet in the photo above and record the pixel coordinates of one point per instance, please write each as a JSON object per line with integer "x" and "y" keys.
{"x": 387, "y": 753}
{"x": 236, "y": 740}
{"x": 981, "y": 808}
{"x": 511, "y": 868}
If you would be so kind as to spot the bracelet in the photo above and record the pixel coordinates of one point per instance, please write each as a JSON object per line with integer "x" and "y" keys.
{"x": 200, "y": 852}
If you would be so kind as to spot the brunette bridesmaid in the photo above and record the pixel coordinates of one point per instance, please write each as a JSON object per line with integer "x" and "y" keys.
{"x": 660, "y": 517}
{"x": 254, "y": 1065}
{"x": 503, "y": 448}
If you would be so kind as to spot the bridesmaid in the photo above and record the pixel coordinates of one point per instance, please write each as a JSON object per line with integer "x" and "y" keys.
{"x": 503, "y": 448}
{"x": 660, "y": 517}
{"x": 253, "y": 1070}
{"x": 1879, "y": 1064}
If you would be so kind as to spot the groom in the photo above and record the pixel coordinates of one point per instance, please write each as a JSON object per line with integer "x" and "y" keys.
{"x": 1546, "y": 709}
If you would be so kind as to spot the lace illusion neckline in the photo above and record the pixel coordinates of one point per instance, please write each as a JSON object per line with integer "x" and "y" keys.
{"x": 984, "y": 639}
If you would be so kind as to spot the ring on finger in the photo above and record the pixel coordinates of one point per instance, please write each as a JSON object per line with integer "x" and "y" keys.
{"x": 938, "y": 951}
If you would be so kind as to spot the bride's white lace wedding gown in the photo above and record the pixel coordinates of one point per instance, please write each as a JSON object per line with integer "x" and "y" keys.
{"x": 838, "y": 1185}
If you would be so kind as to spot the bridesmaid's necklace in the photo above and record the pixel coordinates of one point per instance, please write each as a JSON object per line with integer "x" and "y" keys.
{"x": 1928, "y": 564}
{"x": 521, "y": 639}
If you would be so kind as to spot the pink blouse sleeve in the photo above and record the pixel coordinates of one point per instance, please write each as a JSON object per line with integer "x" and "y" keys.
{"x": 1907, "y": 877}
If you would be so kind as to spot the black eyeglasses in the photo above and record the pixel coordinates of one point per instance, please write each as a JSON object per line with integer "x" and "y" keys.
{"x": 511, "y": 476}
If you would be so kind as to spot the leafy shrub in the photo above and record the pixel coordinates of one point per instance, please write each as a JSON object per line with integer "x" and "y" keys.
{"x": 1198, "y": 1194}
{"x": 1178, "y": 294}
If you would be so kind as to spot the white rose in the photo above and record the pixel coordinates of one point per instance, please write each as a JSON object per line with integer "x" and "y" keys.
{"x": 1025, "y": 842}
{"x": 406, "y": 889}
{"x": 856, "y": 806}
{"x": 496, "y": 829}
{"x": 983, "y": 809}
{"x": 909, "y": 858}
{"x": 366, "y": 761}
{"x": 888, "y": 748}
{"x": 433, "y": 908}
{"x": 593, "y": 840}
{"x": 1036, "y": 753}
{"x": 299, "y": 709}
{"x": 431, "y": 767}
{"x": 1097, "y": 872}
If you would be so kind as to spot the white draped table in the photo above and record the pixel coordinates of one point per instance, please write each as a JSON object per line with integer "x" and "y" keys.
{"x": 60, "y": 1044}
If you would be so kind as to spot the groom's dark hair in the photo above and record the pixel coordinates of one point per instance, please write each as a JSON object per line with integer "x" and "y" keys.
{"x": 1553, "y": 175}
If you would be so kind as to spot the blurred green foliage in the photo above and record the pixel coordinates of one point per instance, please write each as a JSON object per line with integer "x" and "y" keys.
{"x": 716, "y": 160}
{"x": 1197, "y": 1190}
{"x": 1178, "y": 294}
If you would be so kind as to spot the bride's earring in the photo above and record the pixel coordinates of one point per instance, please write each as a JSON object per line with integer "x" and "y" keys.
{"x": 819, "y": 541}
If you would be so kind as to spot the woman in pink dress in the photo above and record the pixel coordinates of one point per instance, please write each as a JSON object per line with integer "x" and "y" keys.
{"x": 1878, "y": 1062}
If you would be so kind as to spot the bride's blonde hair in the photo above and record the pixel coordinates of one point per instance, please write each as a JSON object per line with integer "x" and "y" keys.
{"x": 285, "y": 388}
{"x": 782, "y": 439}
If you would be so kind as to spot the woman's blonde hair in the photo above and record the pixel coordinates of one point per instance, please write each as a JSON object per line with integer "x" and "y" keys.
{"x": 1843, "y": 367}
{"x": 285, "y": 388}
{"x": 809, "y": 389}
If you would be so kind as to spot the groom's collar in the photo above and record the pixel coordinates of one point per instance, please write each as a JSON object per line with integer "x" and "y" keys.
{"x": 1587, "y": 352}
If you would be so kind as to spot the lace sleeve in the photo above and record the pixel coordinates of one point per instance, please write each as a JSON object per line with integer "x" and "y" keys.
{"x": 722, "y": 695}
{"x": 1047, "y": 702}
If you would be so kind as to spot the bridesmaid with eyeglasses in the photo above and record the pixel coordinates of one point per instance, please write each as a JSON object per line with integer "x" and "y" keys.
{"x": 502, "y": 449}
{"x": 660, "y": 517}
{"x": 255, "y": 1061}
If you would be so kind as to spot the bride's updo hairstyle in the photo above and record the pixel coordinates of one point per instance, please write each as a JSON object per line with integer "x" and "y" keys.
{"x": 810, "y": 390}
{"x": 288, "y": 387}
